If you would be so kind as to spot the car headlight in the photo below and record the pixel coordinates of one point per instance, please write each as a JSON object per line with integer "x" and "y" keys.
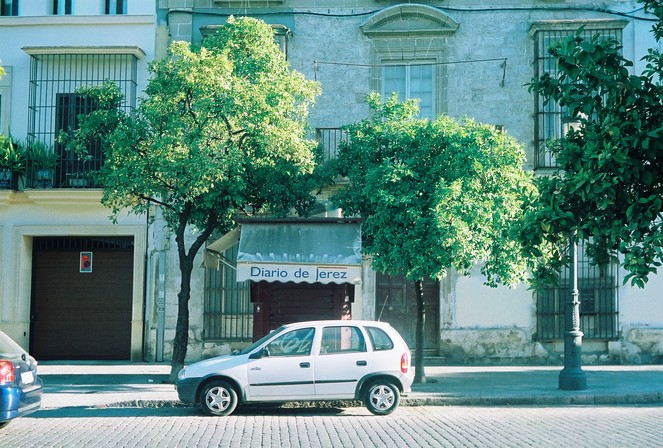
{"x": 182, "y": 374}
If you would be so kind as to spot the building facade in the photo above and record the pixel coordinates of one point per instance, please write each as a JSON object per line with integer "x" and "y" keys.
{"x": 469, "y": 59}
{"x": 71, "y": 281}
{"x": 70, "y": 278}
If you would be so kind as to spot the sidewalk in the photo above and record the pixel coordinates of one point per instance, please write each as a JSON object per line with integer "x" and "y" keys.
{"x": 105, "y": 384}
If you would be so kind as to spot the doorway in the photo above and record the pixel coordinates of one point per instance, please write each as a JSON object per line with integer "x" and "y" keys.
{"x": 396, "y": 303}
{"x": 276, "y": 303}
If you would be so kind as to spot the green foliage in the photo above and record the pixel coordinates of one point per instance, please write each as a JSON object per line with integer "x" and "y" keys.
{"x": 609, "y": 188}
{"x": 40, "y": 156}
{"x": 12, "y": 155}
{"x": 435, "y": 195}
{"x": 221, "y": 129}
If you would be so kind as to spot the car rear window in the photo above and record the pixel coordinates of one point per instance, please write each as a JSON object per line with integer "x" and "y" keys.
{"x": 8, "y": 347}
{"x": 379, "y": 339}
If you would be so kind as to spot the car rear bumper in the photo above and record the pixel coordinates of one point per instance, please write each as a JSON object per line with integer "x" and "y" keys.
{"x": 16, "y": 402}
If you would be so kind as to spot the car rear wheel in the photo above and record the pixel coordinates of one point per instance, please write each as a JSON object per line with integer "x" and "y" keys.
{"x": 218, "y": 398}
{"x": 381, "y": 397}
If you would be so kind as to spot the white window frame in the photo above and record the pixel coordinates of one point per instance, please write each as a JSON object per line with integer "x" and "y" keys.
{"x": 110, "y": 7}
{"x": 60, "y": 7}
{"x": 408, "y": 81}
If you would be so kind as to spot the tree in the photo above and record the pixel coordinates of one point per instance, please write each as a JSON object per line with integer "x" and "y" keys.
{"x": 434, "y": 196}
{"x": 220, "y": 132}
{"x": 609, "y": 186}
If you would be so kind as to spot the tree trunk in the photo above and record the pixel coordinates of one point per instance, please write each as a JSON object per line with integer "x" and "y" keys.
{"x": 181, "y": 340}
{"x": 419, "y": 374}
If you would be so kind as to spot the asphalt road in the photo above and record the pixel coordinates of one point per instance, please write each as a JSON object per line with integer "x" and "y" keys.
{"x": 424, "y": 426}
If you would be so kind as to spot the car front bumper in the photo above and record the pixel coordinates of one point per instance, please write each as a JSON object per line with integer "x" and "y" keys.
{"x": 186, "y": 389}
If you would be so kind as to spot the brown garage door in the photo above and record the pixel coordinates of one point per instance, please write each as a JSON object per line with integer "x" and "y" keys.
{"x": 81, "y": 315}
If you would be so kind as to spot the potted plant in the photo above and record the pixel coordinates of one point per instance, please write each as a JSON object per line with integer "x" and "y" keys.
{"x": 12, "y": 162}
{"x": 42, "y": 162}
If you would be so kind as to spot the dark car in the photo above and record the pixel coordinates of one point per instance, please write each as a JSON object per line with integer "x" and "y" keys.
{"x": 20, "y": 387}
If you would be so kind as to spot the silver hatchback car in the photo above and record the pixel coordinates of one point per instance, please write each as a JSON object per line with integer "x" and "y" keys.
{"x": 306, "y": 361}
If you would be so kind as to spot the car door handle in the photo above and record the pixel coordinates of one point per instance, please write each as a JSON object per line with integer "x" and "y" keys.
{"x": 304, "y": 365}
{"x": 362, "y": 363}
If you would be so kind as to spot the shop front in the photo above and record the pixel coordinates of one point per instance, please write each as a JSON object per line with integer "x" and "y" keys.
{"x": 298, "y": 269}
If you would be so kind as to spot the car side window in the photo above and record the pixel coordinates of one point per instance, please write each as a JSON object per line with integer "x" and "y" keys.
{"x": 293, "y": 343}
{"x": 379, "y": 339}
{"x": 342, "y": 339}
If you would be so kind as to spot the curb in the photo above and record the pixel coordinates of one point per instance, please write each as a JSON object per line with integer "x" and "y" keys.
{"x": 550, "y": 400}
{"x": 544, "y": 400}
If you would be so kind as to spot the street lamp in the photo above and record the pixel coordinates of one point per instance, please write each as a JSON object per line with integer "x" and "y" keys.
{"x": 572, "y": 377}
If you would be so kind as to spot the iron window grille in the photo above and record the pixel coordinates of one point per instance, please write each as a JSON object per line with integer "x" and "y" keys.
{"x": 228, "y": 311}
{"x": 552, "y": 119}
{"x": 412, "y": 81}
{"x": 598, "y": 295}
{"x": 330, "y": 139}
{"x": 54, "y": 106}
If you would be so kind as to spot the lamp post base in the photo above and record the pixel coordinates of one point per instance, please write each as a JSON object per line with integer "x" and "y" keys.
{"x": 572, "y": 379}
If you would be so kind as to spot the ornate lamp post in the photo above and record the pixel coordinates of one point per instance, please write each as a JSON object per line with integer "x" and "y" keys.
{"x": 572, "y": 377}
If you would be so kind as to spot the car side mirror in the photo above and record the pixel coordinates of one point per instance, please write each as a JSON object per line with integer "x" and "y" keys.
{"x": 262, "y": 353}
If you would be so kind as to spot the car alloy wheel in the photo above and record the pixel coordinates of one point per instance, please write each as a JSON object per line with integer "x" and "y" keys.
{"x": 381, "y": 397}
{"x": 218, "y": 398}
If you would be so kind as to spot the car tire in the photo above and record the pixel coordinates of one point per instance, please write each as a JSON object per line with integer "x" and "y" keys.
{"x": 3, "y": 424}
{"x": 218, "y": 398}
{"x": 381, "y": 397}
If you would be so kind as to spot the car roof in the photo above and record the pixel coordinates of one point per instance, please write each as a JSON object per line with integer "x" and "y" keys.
{"x": 374, "y": 323}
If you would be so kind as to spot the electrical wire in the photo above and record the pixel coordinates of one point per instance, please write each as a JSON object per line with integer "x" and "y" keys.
{"x": 628, "y": 14}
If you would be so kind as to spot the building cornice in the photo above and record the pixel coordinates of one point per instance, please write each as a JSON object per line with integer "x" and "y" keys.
{"x": 63, "y": 196}
{"x": 70, "y": 20}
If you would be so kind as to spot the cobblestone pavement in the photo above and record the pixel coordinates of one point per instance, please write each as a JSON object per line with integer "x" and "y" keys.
{"x": 425, "y": 426}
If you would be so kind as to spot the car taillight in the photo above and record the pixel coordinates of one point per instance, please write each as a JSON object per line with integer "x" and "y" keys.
{"x": 405, "y": 362}
{"x": 7, "y": 373}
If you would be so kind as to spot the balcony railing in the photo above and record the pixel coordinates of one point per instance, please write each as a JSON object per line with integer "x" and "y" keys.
{"x": 330, "y": 139}
{"x": 74, "y": 174}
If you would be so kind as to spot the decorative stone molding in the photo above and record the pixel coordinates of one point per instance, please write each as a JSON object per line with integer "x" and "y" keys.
{"x": 137, "y": 52}
{"x": 411, "y": 34}
{"x": 409, "y": 21}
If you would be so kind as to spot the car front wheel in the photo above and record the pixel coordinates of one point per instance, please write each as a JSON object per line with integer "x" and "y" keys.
{"x": 381, "y": 397}
{"x": 218, "y": 398}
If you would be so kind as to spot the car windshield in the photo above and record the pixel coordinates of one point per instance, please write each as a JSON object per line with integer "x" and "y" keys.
{"x": 260, "y": 341}
{"x": 8, "y": 347}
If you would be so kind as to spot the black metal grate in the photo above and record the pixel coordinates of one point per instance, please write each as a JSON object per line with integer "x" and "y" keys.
{"x": 599, "y": 310}
{"x": 549, "y": 123}
{"x": 330, "y": 139}
{"x": 43, "y": 244}
{"x": 228, "y": 311}
{"x": 54, "y": 106}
